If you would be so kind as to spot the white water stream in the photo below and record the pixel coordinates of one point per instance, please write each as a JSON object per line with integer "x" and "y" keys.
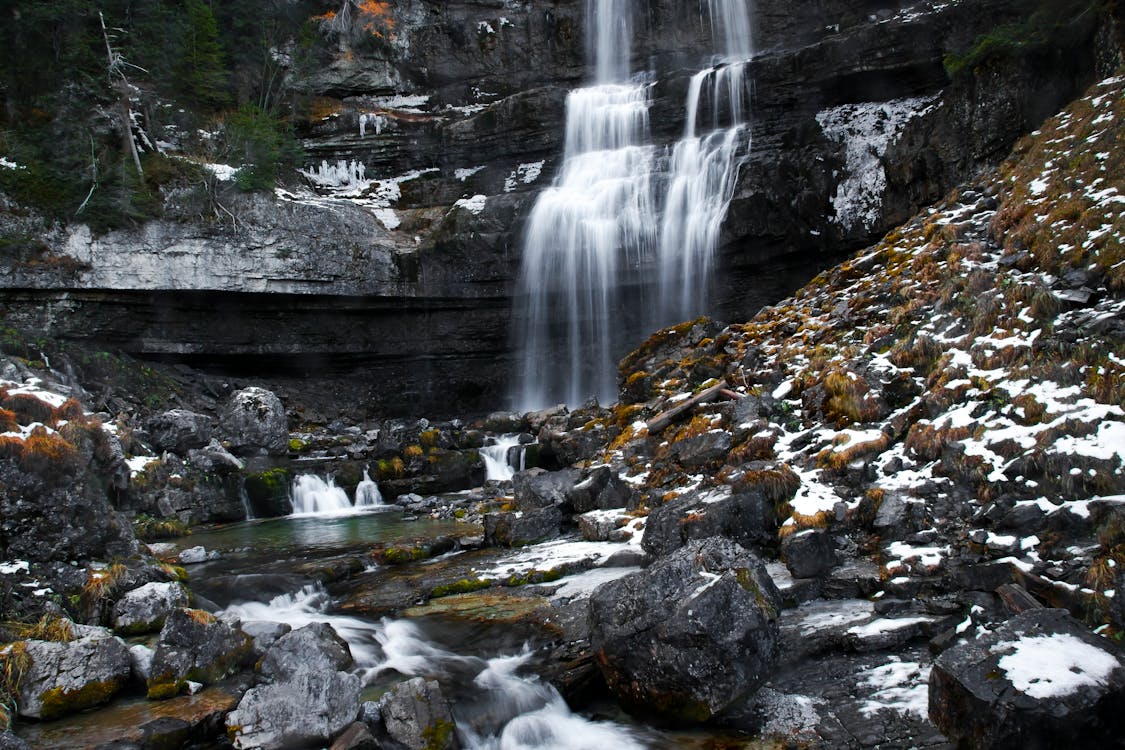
{"x": 501, "y": 710}
{"x": 313, "y": 496}
{"x": 624, "y": 224}
{"x": 498, "y": 465}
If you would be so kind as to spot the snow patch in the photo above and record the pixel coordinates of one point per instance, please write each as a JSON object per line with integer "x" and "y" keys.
{"x": 1050, "y": 666}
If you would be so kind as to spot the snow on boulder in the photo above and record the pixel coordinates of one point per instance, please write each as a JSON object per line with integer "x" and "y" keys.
{"x": 144, "y": 609}
{"x": 1040, "y": 680}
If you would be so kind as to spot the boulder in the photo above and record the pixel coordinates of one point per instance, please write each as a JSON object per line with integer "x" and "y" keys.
{"x": 195, "y": 646}
{"x": 308, "y": 709}
{"x": 1041, "y": 680}
{"x": 519, "y": 529}
{"x": 604, "y": 526}
{"x": 216, "y": 459}
{"x": 144, "y": 609}
{"x": 265, "y": 633}
{"x": 696, "y": 452}
{"x": 416, "y": 714}
{"x": 316, "y": 646}
{"x": 356, "y": 737}
{"x": 140, "y": 661}
{"x": 748, "y": 518}
{"x": 536, "y": 488}
{"x": 64, "y": 678}
{"x": 179, "y": 431}
{"x": 809, "y": 554}
{"x": 253, "y": 421}
{"x": 689, "y": 635}
{"x": 601, "y": 490}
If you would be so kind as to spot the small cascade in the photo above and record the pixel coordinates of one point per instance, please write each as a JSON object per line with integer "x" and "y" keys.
{"x": 367, "y": 493}
{"x": 245, "y": 498}
{"x": 498, "y": 463}
{"x": 313, "y": 496}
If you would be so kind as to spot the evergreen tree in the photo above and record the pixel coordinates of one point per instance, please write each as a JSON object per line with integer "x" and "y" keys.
{"x": 202, "y": 71}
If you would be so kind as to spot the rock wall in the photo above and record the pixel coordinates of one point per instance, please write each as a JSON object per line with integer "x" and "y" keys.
{"x": 397, "y": 278}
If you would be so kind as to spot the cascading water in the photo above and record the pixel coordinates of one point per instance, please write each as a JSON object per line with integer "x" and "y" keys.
{"x": 498, "y": 463}
{"x": 593, "y": 235}
{"x": 367, "y": 493}
{"x": 313, "y": 496}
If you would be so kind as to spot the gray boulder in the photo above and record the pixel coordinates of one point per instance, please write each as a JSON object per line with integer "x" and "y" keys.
{"x": 9, "y": 741}
{"x": 416, "y": 714}
{"x": 356, "y": 737}
{"x": 519, "y": 529}
{"x": 253, "y": 421}
{"x": 306, "y": 710}
{"x": 748, "y": 518}
{"x": 691, "y": 634}
{"x": 214, "y": 458}
{"x": 195, "y": 646}
{"x": 1041, "y": 680}
{"x": 64, "y": 678}
{"x": 537, "y": 488}
{"x": 140, "y": 660}
{"x": 316, "y": 646}
{"x": 144, "y": 609}
{"x": 265, "y": 633}
{"x": 809, "y": 554}
{"x": 179, "y": 431}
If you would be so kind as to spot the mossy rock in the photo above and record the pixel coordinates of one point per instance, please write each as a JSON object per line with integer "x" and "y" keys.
{"x": 268, "y": 492}
{"x": 59, "y": 702}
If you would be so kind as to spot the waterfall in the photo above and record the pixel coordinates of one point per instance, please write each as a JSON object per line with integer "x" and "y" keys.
{"x": 367, "y": 493}
{"x": 498, "y": 465}
{"x": 315, "y": 496}
{"x": 611, "y": 234}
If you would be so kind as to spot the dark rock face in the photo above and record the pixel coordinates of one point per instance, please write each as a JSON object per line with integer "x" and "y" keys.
{"x": 536, "y": 488}
{"x": 809, "y": 553}
{"x": 416, "y": 714}
{"x": 194, "y": 646}
{"x": 748, "y": 518}
{"x": 601, "y": 490}
{"x": 1041, "y": 680}
{"x": 694, "y": 632}
{"x": 519, "y": 529}
{"x": 179, "y": 430}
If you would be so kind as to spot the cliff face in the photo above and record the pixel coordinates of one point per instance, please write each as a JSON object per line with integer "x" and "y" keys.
{"x": 395, "y": 276}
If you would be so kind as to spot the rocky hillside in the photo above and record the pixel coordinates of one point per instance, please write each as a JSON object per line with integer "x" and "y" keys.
{"x": 427, "y": 129}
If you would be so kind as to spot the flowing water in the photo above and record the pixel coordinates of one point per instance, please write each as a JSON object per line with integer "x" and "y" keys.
{"x": 499, "y": 463}
{"x": 313, "y": 496}
{"x": 624, "y": 225}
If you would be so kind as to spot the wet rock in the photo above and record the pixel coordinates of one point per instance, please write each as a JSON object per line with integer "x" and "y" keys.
{"x": 179, "y": 431}
{"x": 195, "y": 646}
{"x": 748, "y": 518}
{"x": 253, "y": 421}
{"x": 691, "y": 634}
{"x": 573, "y": 445}
{"x": 602, "y": 526}
{"x": 64, "y": 678}
{"x": 309, "y": 709}
{"x": 1040, "y": 680}
{"x": 601, "y": 490}
{"x": 315, "y": 646}
{"x": 140, "y": 661}
{"x": 144, "y": 609}
{"x": 536, "y": 488}
{"x": 416, "y": 714}
{"x": 809, "y": 554}
{"x": 356, "y": 737}
{"x": 265, "y": 633}
{"x": 194, "y": 555}
{"x": 165, "y": 733}
{"x": 9, "y": 741}
{"x": 519, "y": 529}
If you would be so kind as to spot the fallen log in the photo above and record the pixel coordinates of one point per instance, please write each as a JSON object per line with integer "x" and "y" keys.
{"x": 662, "y": 420}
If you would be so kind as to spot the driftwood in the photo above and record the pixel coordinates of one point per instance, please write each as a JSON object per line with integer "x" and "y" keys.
{"x": 662, "y": 420}
{"x": 1017, "y": 599}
